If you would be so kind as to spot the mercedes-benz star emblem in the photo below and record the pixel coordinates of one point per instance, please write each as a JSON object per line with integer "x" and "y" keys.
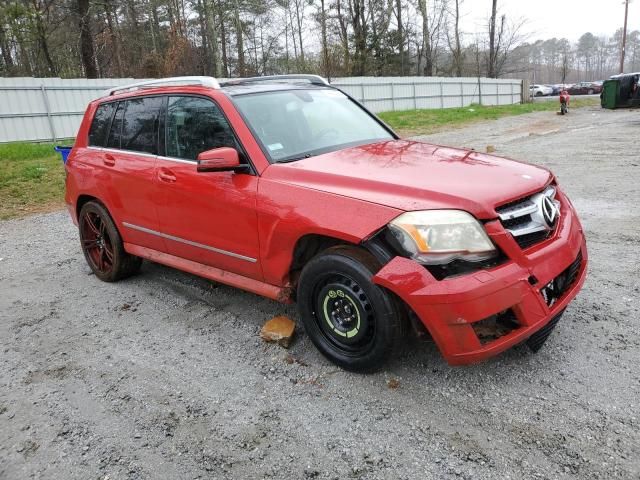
{"x": 550, "y": 211}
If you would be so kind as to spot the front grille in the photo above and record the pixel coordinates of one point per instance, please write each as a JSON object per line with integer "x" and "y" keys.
{"x": 528, "y": 219}
{"x": 516, "y": 222}
{"x": 531, "y": 239}
{"x": 557, "y": 287}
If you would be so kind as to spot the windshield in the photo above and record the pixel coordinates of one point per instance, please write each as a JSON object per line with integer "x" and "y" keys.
{"x": 295, "y": 124}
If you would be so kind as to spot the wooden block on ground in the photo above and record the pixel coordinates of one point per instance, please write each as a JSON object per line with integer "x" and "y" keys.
{"x": 279, "y": 329}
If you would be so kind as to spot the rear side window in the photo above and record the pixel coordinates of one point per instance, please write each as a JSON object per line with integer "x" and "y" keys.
{"x": 140, "y": 127}
{"x": 195, "y": 125}
{"x": 113, "y": 141}
{"x": 100, "y": 124}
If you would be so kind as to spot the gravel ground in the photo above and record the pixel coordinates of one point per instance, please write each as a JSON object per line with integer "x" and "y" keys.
{"x": 164, "y": 375}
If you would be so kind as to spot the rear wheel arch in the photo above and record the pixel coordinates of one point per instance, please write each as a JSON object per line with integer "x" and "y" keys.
{"x": 84, "y": 199}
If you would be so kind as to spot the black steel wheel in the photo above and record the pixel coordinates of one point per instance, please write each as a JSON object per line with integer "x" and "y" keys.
{"x": 352, "y": 321}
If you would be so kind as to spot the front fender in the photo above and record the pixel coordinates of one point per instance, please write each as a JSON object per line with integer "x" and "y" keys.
{"x": 287, "y": 212}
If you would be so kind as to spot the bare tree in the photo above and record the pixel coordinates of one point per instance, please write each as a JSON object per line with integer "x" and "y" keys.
{"x": 455, "y": 44}
{"x": 86, "y": 40}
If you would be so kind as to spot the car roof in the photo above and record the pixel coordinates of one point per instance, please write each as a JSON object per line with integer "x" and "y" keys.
{"x": 249, "y": 88}
{"x": 239, "y": 86}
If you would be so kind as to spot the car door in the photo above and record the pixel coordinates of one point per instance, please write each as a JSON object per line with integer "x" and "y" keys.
{"x": 128, "y": 160}
{"x": 209, "y": 218}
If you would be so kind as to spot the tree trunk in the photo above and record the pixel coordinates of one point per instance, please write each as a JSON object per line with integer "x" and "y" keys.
{"x": 400, "y": 34}
{"x": 491, "y": 68}
{"x": 115, "y": 40}
{"x": 6, "y": 52}
{"x": 152, "y": 26}
{"x": 427, "y": 51}
{"x": 323, "y": 36}
{"x": 210, "y": 21}
{"x": 41, "y": 35}
{"x": 293, "y": 32}
{"x": 206, "y": 64}
{"x": 300, "y": 19}
{"x": 223, "y": 42}
{"x": 241, "y": 71}
{"x": 344, "y": 37}
{"x": 358, "y": 20}
{"x": 86, "y": 41}
{"x": 457, "y": 54}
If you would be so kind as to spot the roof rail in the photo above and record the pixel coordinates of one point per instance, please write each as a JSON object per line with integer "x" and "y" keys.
{"x": 312, "y": 79}
{"x": 166, "y": 82}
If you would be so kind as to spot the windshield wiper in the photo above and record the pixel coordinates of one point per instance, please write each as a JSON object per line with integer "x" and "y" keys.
{"x": 295, "y": 159}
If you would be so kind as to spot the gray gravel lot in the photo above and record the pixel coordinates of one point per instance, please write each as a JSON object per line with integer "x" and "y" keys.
{"x": 164, "y": 375}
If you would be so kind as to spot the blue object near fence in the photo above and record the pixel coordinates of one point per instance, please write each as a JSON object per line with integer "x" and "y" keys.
{"x": 64, "y": 152}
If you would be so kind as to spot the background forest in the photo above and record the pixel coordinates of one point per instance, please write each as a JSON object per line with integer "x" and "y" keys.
{"x": 234, "y": 38}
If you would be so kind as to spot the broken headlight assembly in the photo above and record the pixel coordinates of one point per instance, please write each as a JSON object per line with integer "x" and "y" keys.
{"x": 437, "y": 237}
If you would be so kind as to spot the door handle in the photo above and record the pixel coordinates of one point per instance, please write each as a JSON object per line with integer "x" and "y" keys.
{"x": 109, "y": 160}
{"x": 166, "y": 175}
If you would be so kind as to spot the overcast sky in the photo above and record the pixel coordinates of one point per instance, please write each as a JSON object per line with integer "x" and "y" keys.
{"x": 556, "y": 18}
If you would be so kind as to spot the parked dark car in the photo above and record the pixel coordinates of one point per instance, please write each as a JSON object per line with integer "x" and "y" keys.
{"x": 586, "y": 88}
{"x": 557, "y": 88}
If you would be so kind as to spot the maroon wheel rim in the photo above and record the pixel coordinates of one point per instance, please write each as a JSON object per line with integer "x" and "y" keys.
{"x": 96, "y": 242}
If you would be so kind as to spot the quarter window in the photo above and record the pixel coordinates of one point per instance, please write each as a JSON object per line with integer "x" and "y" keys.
{"x": 139, "y": 131}
{"x": 100, "y": 125}
{"x": 113, "y": 141}
{"x": 195, "y": 125}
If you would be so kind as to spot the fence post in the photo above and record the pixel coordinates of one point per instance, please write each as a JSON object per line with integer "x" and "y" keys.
{"x": 48, "y": 110}
{"x": 479, "y": 91}
{"x": 393, "y": 97}
{"x": 461, "y": 94}
{"x": 441, "y": 94}
{"x": 362, "y": 93}
{"x": 415, "y": 104}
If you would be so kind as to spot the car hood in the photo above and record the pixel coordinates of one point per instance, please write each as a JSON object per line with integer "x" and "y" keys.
{"x": 410, "y": 175}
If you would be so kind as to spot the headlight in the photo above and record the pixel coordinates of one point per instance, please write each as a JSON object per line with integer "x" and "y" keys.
{"x": 441, "y": 236}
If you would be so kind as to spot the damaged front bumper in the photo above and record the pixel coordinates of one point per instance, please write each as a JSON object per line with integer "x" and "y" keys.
{"x": 478, "y": 315}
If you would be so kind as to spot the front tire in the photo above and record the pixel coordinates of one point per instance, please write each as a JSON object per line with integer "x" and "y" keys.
{"x": 353, "y": 322}
{"x": 102, "y": 245}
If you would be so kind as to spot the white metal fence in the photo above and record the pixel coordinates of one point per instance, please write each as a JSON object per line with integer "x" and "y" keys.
{"x": 37, "y": 109}
{"x": 380, "y": 94}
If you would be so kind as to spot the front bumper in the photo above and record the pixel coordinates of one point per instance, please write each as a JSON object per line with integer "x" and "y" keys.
{"x": 449, "y": 308}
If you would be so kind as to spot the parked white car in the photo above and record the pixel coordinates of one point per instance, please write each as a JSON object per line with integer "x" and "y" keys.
{"x": 540, "y": 90}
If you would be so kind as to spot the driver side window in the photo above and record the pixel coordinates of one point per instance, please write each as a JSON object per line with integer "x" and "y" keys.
{"x": 195, "y": 125}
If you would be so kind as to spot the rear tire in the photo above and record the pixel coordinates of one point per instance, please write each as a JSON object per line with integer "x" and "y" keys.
{"x": 102, "y": 245}
{"x": 353, "y": 322}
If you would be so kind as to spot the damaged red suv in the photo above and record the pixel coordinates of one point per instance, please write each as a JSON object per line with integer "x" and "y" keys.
{"x": 287, "y": 187}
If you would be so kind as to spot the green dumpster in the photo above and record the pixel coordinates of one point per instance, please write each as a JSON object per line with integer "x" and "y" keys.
{"x": 609, "y": 97}
{"x": 621, "y": 91}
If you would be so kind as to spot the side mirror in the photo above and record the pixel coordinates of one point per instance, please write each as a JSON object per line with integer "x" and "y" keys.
{"x": 221, "y": 159}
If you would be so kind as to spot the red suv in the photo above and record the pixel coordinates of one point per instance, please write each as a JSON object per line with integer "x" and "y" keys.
{"x": 287, "y": 187}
